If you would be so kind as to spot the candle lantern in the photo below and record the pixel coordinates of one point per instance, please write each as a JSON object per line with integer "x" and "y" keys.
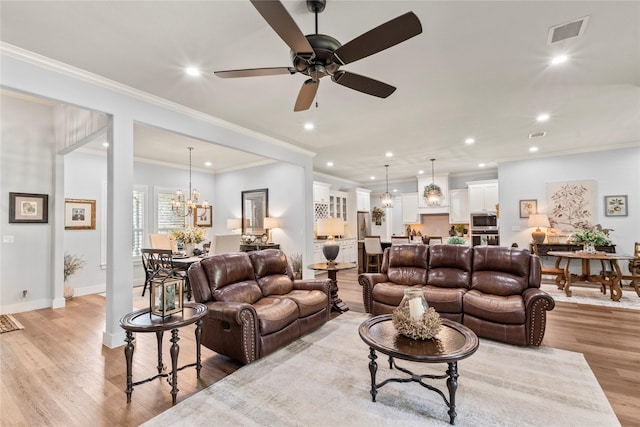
{"x": 414, "y": 301}
{"x": 166, "y": 296}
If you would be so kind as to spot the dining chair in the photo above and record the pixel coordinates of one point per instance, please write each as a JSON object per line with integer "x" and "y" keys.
{"x": 162, "y": 241}
{"x": 551, "y": 271}
{"x": 434, "y": 240}
{"x": 373, "y": 253}
{"x": 158, "y": 266}
{"x": 634, "y": 269}
{"x": 399, "y": 240}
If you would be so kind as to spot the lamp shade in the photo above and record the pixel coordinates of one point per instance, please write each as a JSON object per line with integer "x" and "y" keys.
{"x": 234, "y": 223}
{"x": 330, "y": 227}
{"x": 271, "y": 222}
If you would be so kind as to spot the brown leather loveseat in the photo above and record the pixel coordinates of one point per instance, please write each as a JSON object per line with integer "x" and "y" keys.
{"x": 255, "y": 306}
{"x": 493, "y": 290}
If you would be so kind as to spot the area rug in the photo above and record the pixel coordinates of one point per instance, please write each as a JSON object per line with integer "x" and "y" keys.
{"x": 9, "y": 323}
{"x": 592, "y": 295}
{"x": 323, "y": 379}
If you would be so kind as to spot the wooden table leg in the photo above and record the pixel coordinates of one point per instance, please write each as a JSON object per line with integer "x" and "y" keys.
{"x": 452, "y": 385}
{"x": 336, "y": 303}
{"x": 198, "y": 353}
{"x": 616, "y": 291}
{"x": 159, "y": 335}
{"x": 128, "y": 354}
{"x": 567, "y": 278}
{"x": 373, "y": 368}
{"x": 175, "y": 349}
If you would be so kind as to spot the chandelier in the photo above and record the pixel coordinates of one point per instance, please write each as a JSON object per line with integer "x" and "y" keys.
{"x": 432, "y": 192}
{"x": 387, "y": 198}
{"x": 178, "y": 202}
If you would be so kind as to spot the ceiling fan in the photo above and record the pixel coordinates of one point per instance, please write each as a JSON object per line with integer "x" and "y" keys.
{"x": 319, "y": 55}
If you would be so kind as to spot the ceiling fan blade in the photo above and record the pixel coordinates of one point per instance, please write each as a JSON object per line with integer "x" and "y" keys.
{"x": 283, "y": 24}
{"x": 363, "y": 84}
{"x": 306, "y": 95}
{"x": 380, "y": 38}
{"x": 254, "y": 72}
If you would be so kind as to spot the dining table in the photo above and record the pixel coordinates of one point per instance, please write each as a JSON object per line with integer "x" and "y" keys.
{"x": 183, "y": 262}
{"x": 606, "y": 277}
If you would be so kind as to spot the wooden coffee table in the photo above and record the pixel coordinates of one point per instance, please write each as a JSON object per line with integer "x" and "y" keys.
{"x": 454, "y": 342}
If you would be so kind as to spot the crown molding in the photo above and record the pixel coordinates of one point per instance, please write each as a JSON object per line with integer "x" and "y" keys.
{"x": 97, "y": 80}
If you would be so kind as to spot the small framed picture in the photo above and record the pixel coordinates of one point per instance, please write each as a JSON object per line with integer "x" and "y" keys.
{"x": 615, "y": 206}
{"x": 203, "y": 216}
{"x": 528, "y": 207}
{"x": 28, "y": 208}
{"x": 79, "y": 214}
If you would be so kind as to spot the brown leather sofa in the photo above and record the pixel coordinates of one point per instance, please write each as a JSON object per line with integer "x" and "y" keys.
{"x": 493, "y": 290}
{"x": 255, "y": 306}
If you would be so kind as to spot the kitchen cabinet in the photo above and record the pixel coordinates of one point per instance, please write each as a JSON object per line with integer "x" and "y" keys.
{"x": 410, "y": 208}
{"x": 321, "y": 196}
{"x": 363, "y": 200}
{"x": 348, "y": 251}
{"x": 459, "y": 206}
{"x": 483, "y": 195}
{"x": 338, "y": 204}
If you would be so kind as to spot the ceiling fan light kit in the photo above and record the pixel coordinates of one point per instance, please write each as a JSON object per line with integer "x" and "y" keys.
{"x": 319, "y": 55}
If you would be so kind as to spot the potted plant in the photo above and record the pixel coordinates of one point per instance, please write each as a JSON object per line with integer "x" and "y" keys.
{"x": 590, "y": 238}
{"x": 456, "y": 240}
{"x": 189, "y": 237}
{"x": 72, "y": 263}
{"x": 459, "y": 230}
{"x": 377, "y": 215}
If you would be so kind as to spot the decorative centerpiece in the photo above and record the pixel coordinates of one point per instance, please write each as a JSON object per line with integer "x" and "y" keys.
{"x": 590, "y": 238}
{"x": 189, "y": 237}
{"x": 455, "y": 240}
{"x": 414, "y": 318}
{"x": 72, "y": 263}
{"x": 248, "y": 239}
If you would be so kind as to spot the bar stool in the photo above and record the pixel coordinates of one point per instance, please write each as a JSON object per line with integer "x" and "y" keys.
{"x": 373, "y": 252}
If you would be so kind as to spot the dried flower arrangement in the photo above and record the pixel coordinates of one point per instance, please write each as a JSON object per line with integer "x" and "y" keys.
{"x": 424, "y": 330}
{"x": 72, "y": 263}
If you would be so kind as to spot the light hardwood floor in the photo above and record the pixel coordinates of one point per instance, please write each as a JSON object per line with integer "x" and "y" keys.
{"x": 56, "y": 372}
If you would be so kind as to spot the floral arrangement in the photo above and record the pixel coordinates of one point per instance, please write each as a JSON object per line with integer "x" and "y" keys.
{"x": 189, "y": 234}
{"x": 248, "y": 239}
{"x": 595, "y": 236}
{"x": 377, "y": 215}
{"x": 425, "y": 329}
{"x": 432, "y": 189}
{"x": 456, "y": 240}
{"x": 72, "y": 263}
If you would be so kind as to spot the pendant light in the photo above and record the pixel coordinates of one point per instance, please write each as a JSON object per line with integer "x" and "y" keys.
{"x": 387, "y": 198}
{"x": 432, "y": 192}
{"x": 194, "y": 195}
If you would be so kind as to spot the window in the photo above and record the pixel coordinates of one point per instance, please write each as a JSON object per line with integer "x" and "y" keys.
{"x": 138, "y": 221}
{"x": 167, "y": 220}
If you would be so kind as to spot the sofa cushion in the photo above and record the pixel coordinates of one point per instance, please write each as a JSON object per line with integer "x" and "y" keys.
{"x": 444, "y": 300}
{"x": 231, "y": 278}
{"x": 495, "y": 308}
{"x": 275, "y": 313}
{"x": 389, "y": 293}
{"x": 271, "y": 271}
{"x": 500, "y": 270}
{"x": 309, "y": 302}
{"x": 408, "y": 264}
{"x": 450, "y": 266}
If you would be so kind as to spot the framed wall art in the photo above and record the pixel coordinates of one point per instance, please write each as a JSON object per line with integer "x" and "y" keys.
{"x": 28, "y": 208}
{"x": 528, "y": 207}
{"x": 571, "y": 205}
{"x": 615, "y": 206}
{"x": 203, "y": 216}
{"x": 79, "y": 214}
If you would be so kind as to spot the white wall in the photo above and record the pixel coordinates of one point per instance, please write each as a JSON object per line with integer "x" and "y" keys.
{"x": 26, "y": 166}
{"x": 616, "y": 172}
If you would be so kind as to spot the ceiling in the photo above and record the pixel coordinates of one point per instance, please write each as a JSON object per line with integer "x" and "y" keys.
{"x": 479, "y": 69}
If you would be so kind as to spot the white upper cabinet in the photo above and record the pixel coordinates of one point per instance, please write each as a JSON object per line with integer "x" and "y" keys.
{"x": 410, "y": 208}
{"x": 363, "y": 200}
{"x": 459, "y": 206}
{"x": 483, "y": 195}
{"x": 338, "y": 204}
{"x": 321, "y": 192}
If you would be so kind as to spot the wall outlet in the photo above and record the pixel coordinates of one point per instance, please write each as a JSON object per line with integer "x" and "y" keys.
{"x": 24, "y": 293}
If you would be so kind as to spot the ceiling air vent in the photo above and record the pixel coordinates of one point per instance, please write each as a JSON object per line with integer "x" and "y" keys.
{"x": 537, "y": 134}
{"x": 568, "y": 30}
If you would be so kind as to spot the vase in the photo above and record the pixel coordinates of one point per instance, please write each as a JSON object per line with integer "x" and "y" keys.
{"x": 68, "y": 291}
{"x": 589, "y": 247}
{"x": 189, "y": 247}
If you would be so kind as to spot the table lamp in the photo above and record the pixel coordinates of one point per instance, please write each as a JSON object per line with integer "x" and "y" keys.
{"x": 271, "y": 223}
{"x": 330, "y": 227}
{"x": 538, "y": 220}
{"x": 234, "y": 224}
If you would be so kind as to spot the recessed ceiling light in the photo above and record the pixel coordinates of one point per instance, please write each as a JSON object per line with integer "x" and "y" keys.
{"x": 388, "y": 154}
{"x": 192, "y": 71}
{"x": 559, "y": 59}
{"x": 469, "y": 141}
{"x": 542, "y": 117}
{"x": 105, "y": 144}
{"x": 395, "y": 190}
{"x": 481, "y": 165}
{"x": 533, "y": 149}
{"x": 420, "y": 172}
{"x": 208, "y": 164}
{"x": 372, "y": 177}
{"x": 329, "y": 164}
{"x": 308, "y": 126}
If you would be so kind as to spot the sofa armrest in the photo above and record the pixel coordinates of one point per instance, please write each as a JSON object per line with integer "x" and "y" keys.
{"x": 231, "y": 312}
{"x": 368, "y": 281}
{"x": 323, "y": 285}
{"x": 537, "y": 302}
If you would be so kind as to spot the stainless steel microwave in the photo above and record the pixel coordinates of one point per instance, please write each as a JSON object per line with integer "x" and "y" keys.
{"x": 483, "y": 221}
